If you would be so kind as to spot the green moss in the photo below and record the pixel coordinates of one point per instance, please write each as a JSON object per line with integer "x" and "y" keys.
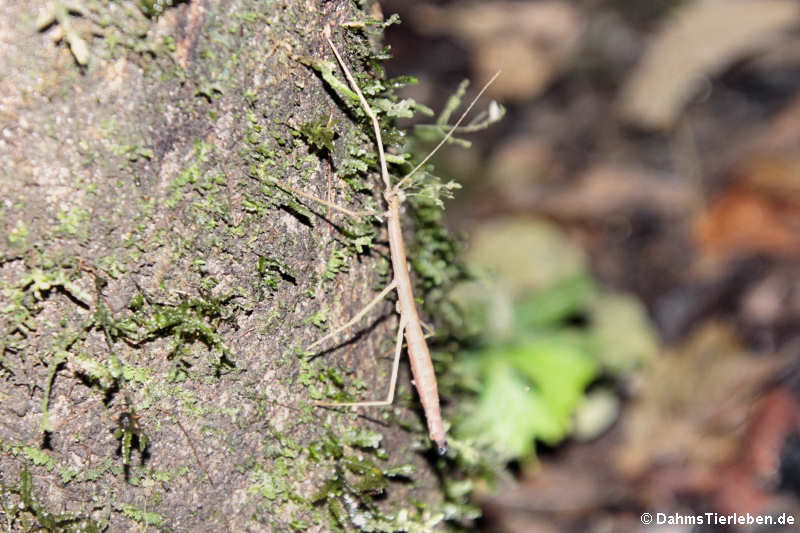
{"x": 112, "y": 266}
{"x": 271, "y": 272}
{"x": 319, "y": 318}
{"x": 184, "y": 323}
{"x": 142, "y": 516}
{"x": 153, "y": 8}
{"x": 350, "y": 492}
{"x": 73, "y": 222}
{"x": 19, "y": 234}
{"x": 191, "y": 174}
{"x": 362, "y": 438}
{"x": 132, "y": 152}
{"x": 38, "y": 457}
{"x": 337, "y": 263}
{"x": 94, "y": 473}
{"x": 27, "y": 514}
{"x": 319, "y": 133}
{"x": 39, "y": 282}
{"x": 82, "y": 21}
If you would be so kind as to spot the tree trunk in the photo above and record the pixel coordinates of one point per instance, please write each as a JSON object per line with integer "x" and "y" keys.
{"x": 158, "y": 287}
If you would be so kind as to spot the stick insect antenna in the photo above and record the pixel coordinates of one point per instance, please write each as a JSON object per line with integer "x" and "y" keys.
{"x": 449, "y": 133}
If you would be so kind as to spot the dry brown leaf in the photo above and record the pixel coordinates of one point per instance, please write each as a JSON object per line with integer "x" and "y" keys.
{"x": 743, "y": 222}
{"x": 760, "y": 212}
{"x": 770, "y": 162}
{"x": 605, "y": 190}
{"x": 744, "y": 485}
{"x": 774, "y": 175}
{"x": 702, "y": 38}
{"x": 550, "y": 22}
{"x": 526, "y": 70}
{"x": 520, "y": 162}
{"x": 692, "y": 404}
{"x": 527, "y": 41}
{"x": 783, "y": 132}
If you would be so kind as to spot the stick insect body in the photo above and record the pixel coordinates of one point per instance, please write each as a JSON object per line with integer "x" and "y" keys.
{"x": 410, "y": 325}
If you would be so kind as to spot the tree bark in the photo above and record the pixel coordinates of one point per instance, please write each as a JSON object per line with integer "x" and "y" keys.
{"x": 158, "y": 288}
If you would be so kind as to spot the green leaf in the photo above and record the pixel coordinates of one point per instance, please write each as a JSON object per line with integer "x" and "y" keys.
{"x": 561, "y": 367}
{"x": 527, "y": 392}
{"x": 508, "y": 416}
{"x": 550, "y": 307}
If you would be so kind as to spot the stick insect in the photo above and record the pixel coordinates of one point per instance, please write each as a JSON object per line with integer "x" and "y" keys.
{"x": 409, "y": 323}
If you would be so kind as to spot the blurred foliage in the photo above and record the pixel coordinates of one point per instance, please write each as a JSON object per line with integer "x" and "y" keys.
{"x": 525, "y": 391}
{"x": 538, "y": 331}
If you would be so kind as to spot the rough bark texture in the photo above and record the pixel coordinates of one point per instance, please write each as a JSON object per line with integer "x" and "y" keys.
{"x": 157, "y": 287}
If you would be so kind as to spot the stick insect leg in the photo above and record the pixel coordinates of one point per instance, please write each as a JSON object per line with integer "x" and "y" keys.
{"x": 398, "y": 348}
{"x": 368, "y": 110}
{"x": 405, "y": 344}
{"x": 298, "y": 192}
{"x": 375, "y": 301}
{"x": 427, "y": 328}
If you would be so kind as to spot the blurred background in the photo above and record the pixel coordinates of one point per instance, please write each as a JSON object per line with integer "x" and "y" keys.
{"x": 631, "y": 318}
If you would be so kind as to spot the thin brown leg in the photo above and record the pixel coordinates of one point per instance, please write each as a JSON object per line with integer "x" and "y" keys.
{"x": 392, "y": 384}
{"x": 375, "y": 301}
